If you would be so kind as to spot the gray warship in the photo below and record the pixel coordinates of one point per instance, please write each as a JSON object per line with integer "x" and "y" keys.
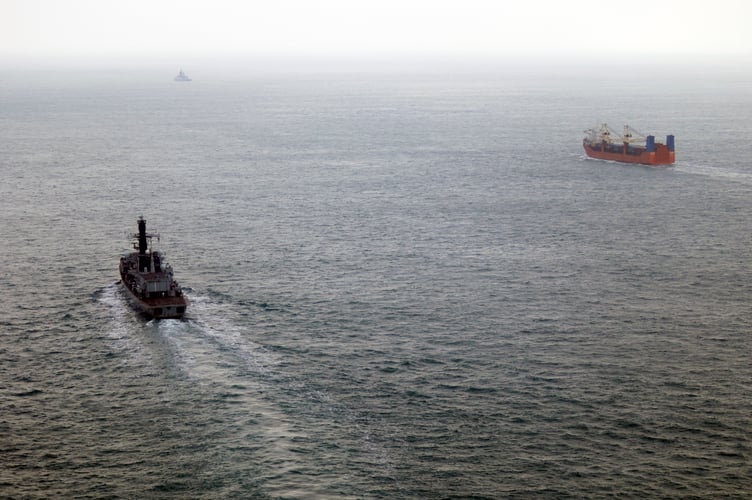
{"x": 148, "y": 280}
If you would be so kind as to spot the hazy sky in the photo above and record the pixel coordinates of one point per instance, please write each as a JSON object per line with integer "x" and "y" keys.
{"x": 373, "y": 27}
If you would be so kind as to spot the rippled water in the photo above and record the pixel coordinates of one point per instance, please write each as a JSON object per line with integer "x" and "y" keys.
{"x": 401, "y": 287}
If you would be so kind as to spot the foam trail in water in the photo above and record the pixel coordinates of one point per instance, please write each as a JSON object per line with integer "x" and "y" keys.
{"x": 215, "y": 321}
{"x": 212, "y": 320}
{"x": 242, "y": 378}
{"x": 233, "y": 371}
{"x": 717, "y": 172}
{"x": 123, "y": 323}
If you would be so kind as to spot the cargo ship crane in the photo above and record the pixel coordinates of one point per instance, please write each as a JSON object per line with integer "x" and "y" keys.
{"x": 606, "y": 134}
{"x": 629, "y": 133}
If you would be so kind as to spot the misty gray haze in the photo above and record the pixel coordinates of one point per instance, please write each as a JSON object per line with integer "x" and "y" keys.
{"x": 405, "y": 278}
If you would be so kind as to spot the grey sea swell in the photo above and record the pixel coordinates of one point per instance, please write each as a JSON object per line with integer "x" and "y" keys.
{"x": 400, "y": 288}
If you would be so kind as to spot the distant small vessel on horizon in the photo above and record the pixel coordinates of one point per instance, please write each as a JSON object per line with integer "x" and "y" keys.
{"x": 182, "y": 77}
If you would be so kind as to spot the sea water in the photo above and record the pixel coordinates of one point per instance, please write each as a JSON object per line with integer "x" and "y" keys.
{"x": 401, "y": 286}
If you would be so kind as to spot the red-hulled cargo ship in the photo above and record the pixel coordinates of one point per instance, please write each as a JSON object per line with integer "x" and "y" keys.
{"x": 631, "y": 147}
{"x": 148, "y": 280}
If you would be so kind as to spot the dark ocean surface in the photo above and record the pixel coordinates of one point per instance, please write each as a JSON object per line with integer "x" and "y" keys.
{"x": 401, "y": 286}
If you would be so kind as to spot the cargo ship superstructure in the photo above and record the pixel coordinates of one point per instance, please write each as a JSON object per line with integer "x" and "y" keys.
{"x": 148, "y": 279}
{"x": 631, "y": 147}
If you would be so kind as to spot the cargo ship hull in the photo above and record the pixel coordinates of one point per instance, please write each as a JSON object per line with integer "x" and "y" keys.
{"x": 599, "y": 143}
{"x": 661, "y": 156}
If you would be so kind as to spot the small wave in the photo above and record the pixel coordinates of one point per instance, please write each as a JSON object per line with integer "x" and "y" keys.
{"x": 30, "y": 392}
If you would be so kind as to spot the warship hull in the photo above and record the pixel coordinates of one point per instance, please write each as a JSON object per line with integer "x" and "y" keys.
{"x": 157, "y": 307}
